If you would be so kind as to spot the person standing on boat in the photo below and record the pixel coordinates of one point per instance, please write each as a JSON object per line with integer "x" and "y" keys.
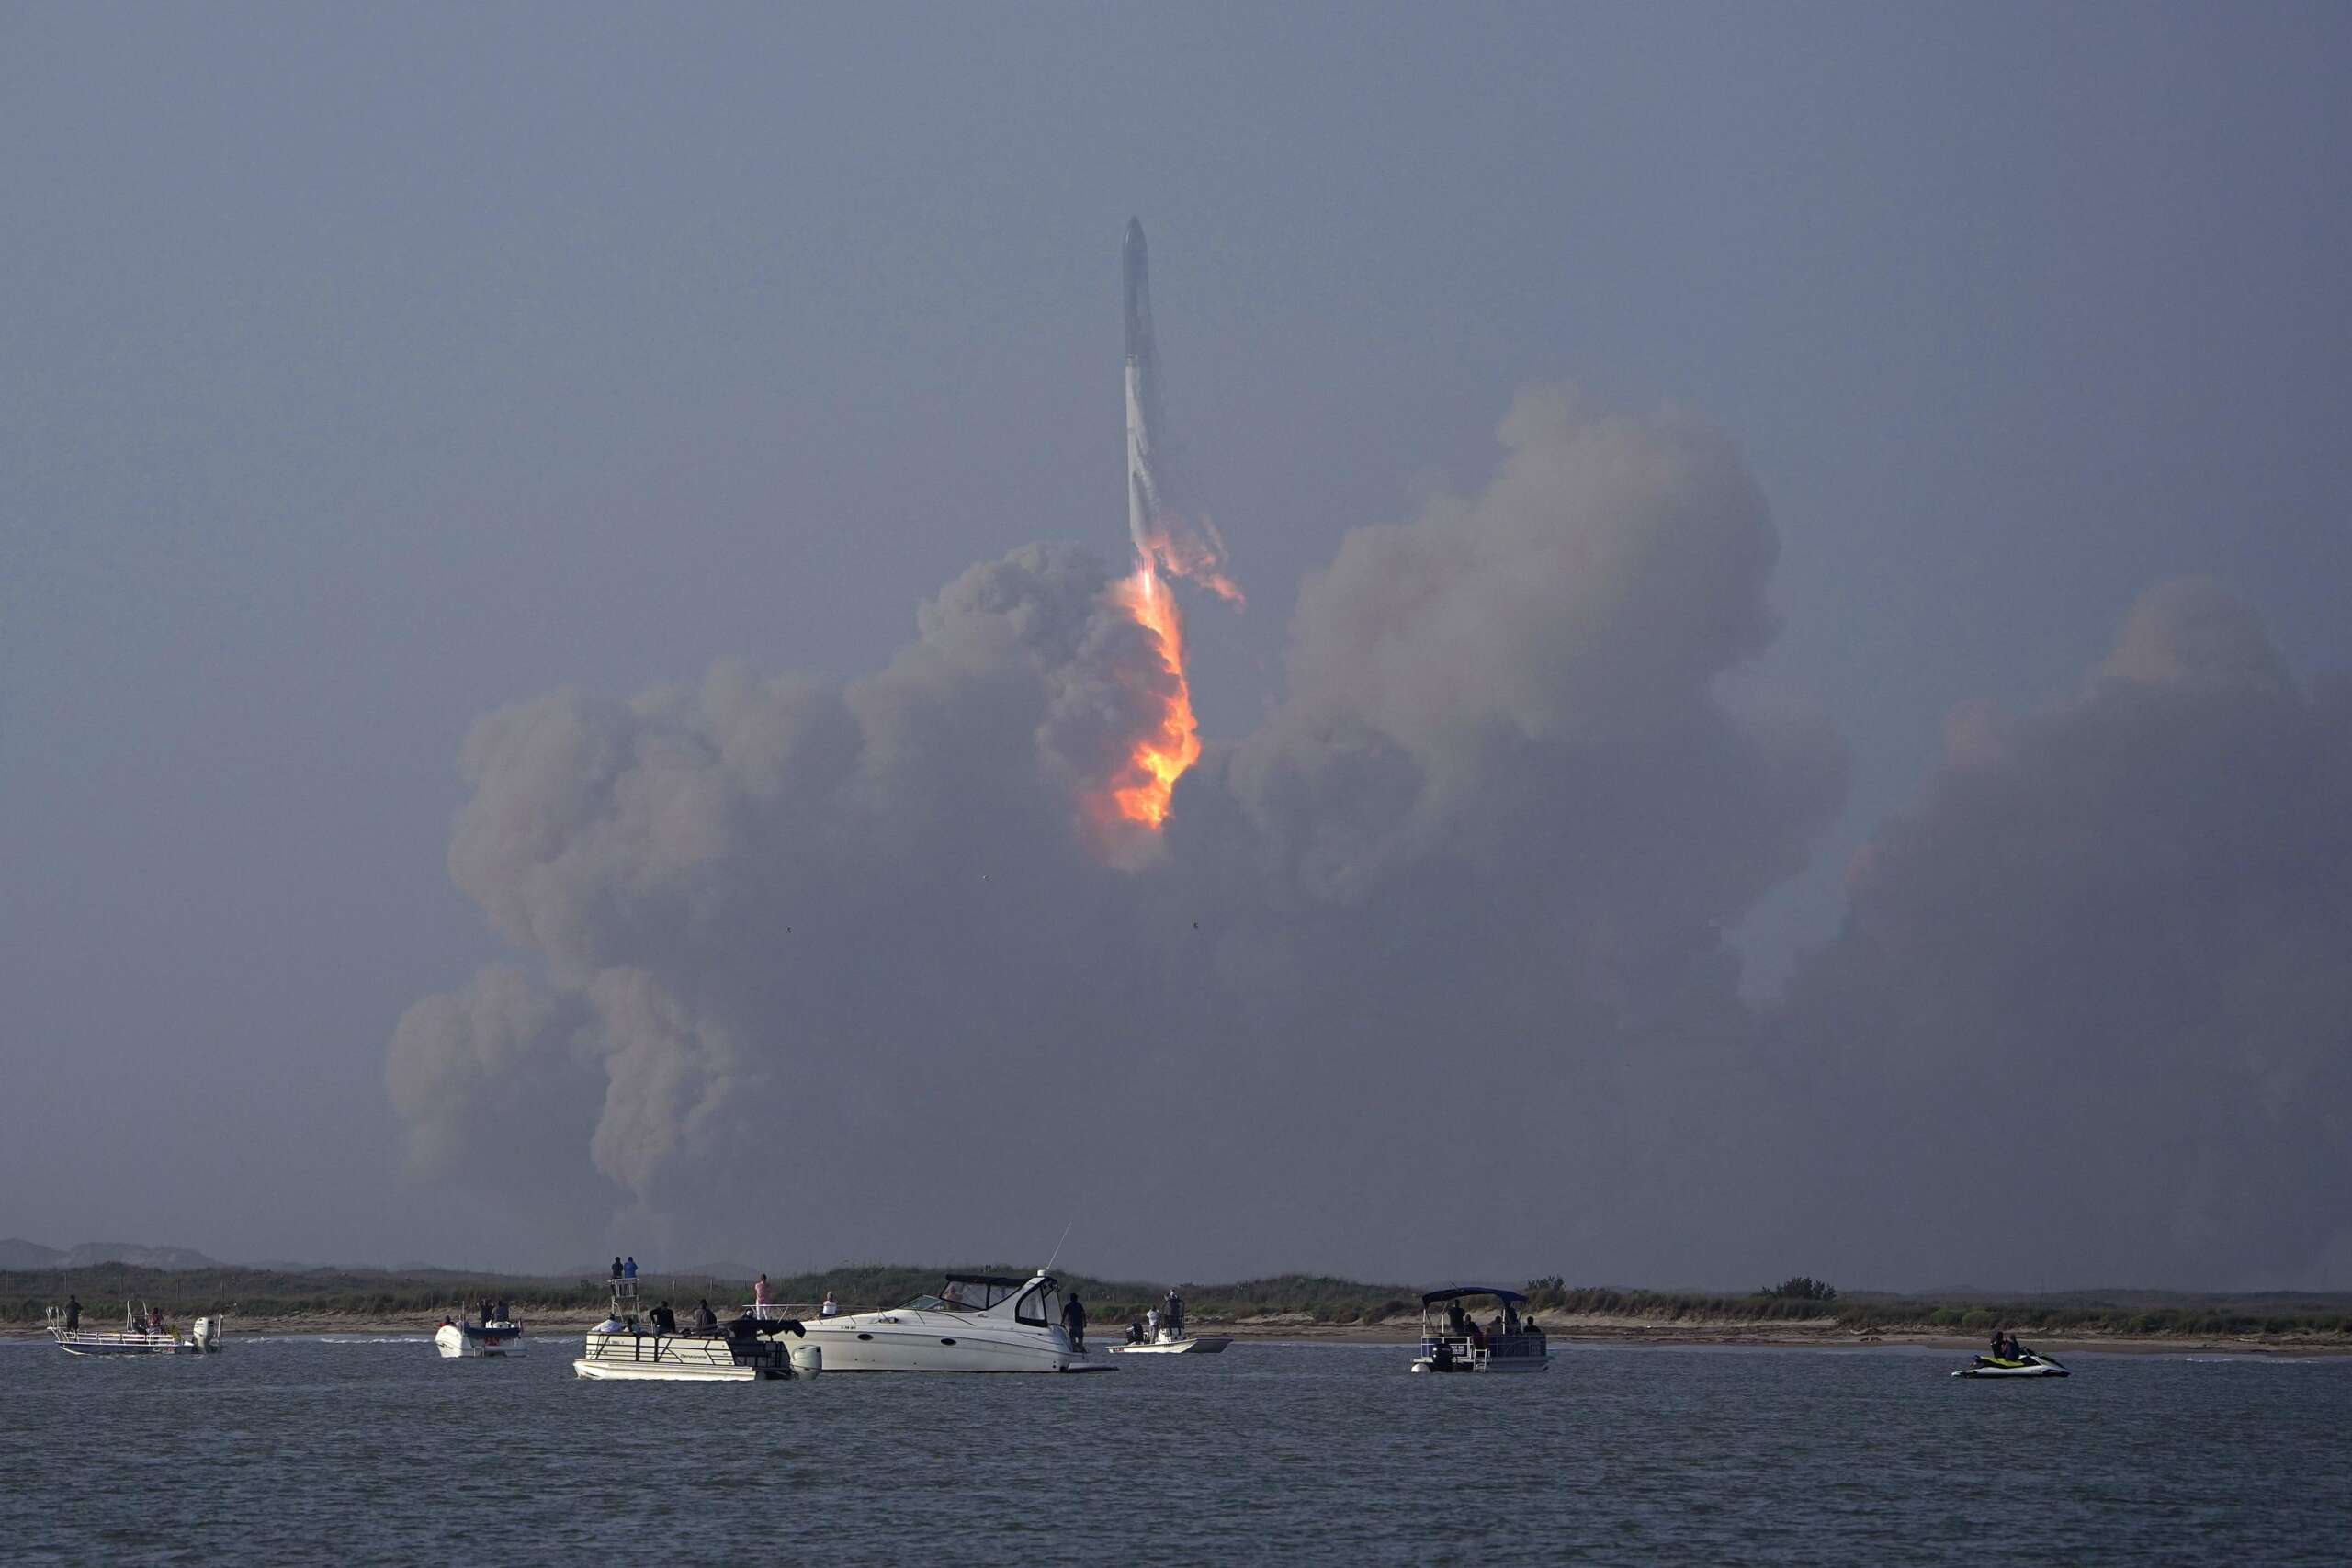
{"x": 760, "y": 1298}
{"x": 1151, "y": 1321}
{"x": 1074, "y": 1320}
{"x": 1175, "y": 1315}
{"x": 72, "y": 1312}
{"x": 830, "y": 1308}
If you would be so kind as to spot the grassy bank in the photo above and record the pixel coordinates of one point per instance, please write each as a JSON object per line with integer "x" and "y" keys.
{"x": 329, "y": 1294}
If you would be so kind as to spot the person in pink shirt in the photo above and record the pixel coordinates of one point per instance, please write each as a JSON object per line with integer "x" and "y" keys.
{"x": 760, "y": 1297}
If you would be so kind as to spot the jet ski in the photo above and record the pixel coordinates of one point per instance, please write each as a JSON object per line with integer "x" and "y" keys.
{"x": 2024, "y": 1364}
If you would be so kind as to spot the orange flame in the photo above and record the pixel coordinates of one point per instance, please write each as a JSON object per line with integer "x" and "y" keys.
{"x": 1194, "y": 550}
{"x": 1162, "y": 754}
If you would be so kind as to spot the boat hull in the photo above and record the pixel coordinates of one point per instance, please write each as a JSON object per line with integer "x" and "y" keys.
{"x": 908, "y": 1341}
{"x": 84, "y": 1342}
{"x": 1204, "y": 1345}
{"x": 458, "y": 1341}
{"x": 2037, "y": 1368}
{"x": 664, "y": 1372}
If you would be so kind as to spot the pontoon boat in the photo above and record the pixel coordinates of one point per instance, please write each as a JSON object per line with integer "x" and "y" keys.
{"x": 1453, "y": 1340}
{"x": 627, "y": 1346}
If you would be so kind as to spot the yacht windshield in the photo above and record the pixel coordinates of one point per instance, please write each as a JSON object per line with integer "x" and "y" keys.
{"x": 961, "y": 1295}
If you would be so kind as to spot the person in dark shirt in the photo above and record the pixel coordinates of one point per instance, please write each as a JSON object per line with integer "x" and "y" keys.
{"x": 73, "y": 1313}
{"x": 1074, "y": 1320}
{"x": 617, "y": 1267}
{"x": 664, "y": 1320}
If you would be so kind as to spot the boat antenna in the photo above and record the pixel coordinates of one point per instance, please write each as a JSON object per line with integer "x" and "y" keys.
{"x": 1058, "y": 1249}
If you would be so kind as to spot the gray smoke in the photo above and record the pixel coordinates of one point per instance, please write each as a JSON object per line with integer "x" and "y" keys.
{"x": 2090, "y": 1018}
{"x": 1451, "y": 916}
{"x": 1429, "y": 974}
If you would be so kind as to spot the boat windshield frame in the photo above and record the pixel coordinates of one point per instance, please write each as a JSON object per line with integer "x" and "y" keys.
{"x": 994, "y": 1290}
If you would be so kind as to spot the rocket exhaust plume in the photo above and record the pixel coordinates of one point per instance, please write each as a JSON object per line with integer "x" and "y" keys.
{"x": 1165, "y": 541}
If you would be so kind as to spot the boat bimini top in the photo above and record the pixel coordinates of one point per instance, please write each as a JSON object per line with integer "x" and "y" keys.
{"x": 1455, "y": 1292}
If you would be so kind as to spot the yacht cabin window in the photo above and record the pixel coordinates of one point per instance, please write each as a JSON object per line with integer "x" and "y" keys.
{"x": 1041, "y": 1308}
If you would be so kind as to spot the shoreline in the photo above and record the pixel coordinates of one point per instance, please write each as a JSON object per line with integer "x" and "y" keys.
{"x": 1781, "y": 1336}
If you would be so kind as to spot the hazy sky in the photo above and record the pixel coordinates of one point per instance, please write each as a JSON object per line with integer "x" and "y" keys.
{"x": 1859, "y": 371}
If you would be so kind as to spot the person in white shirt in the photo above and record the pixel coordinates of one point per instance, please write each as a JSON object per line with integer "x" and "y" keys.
{"x": 1151, "y": 1324}
{"x": 829, "y": 1308}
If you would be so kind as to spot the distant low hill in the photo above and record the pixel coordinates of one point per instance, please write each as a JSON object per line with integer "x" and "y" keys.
{"x": 17, "y": 1254}
{"x": 1289, "y": 1298}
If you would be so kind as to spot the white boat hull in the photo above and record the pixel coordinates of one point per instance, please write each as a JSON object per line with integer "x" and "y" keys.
{"x": 906, "y": 1340}
{"x": 2032, "y": 1365}
{"x": 465, "y": 1340}
{"x": 1202, "y": 1345}
{"x": 120, "y": 1342}
{"x": 658, "y": 1371}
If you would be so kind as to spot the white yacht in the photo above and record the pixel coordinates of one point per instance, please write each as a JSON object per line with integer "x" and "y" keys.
{"x": 1452, "y": 1340}
{"x": 977, "y": 1322}
{"x": 627, "y": 1345}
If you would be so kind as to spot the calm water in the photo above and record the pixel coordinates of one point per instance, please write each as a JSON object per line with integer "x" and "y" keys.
{"x": 287, "y": 1450}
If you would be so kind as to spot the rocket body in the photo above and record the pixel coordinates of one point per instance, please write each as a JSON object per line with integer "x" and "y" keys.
{"x": 1134, "y": 263}
{"x": 1142, "y": 390}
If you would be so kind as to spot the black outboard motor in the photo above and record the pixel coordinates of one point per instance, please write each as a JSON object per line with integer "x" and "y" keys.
{"x": 748, "y": 1327}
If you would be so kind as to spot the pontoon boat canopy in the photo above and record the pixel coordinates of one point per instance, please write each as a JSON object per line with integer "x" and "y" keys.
{"x": 1455, "y": 1293}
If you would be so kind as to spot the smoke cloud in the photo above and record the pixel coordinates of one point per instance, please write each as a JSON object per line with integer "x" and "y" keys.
{"x": 2090, "y": 1018}
{"x": 1455, "y": 909}
{"x": 1427, "y": 973}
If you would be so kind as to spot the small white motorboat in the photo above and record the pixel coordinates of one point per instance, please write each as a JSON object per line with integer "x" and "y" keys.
{"x": 978, "y": 1322}
{"x": 627, "y": 1346}
{"x": 1167, "y": 1345}
{"x": 1452, "y": 1340}
{"x": 142, "y": 1333}
{"x": 2024, "y": 1364}
{"x": 502, "y": 1336}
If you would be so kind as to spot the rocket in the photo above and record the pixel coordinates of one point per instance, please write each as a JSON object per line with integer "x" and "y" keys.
{"x": 1143, "y": 391}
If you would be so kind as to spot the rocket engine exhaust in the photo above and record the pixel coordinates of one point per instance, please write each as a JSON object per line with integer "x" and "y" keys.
{"x": 1164, "y": 541}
